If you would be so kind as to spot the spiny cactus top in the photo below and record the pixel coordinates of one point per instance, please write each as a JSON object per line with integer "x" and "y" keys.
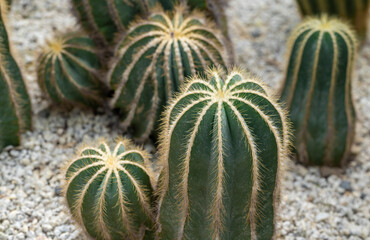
{"x": 223, "y": 144}
{"x": 317, "y": 90}
{"x": 109, "y": 192}
{"x": 15, "y": 105}
{"x": 105, "y": 19}
{"x": 354, "y": 10}
{"x": 68, "y": 71}
{"x": 155, "y": 58}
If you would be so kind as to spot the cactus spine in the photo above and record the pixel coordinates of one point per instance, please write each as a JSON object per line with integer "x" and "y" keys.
{"x": 155, "y": 58}
{"x": 105, "y": 19}
{"x": 15, "y": 110}
{"x": 109, "y": 192}
{"x": 317, "y": 90}
{"x": 68, "y": 71}
{"x": 355, "y": 11}
{"x": 223, "y": 144}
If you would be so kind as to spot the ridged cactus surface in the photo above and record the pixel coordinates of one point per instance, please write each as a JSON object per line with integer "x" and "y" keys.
{"x": 105, "y": 19}
{"x": 15, "y": 105}
{"x": 223, "y": 145}
{"x": 68, "y": 71}
{"x": 356, "y": 11}
{"x": 109, "y": 192}
{"x": 153, "y": 61}
{"x": 317, "y": 91}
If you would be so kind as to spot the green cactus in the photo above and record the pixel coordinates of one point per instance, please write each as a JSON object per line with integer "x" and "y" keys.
{"x": 356, "y": 11}
{"x": 317, "y": 89}
{"x": 68, "y": 71}
{"x": 15, "y": 110}
{"x": 105, "y": 19}
{"x": 223, "y": 144}
{"x": 155, "y": 58}
{"x": 109, "y": 193}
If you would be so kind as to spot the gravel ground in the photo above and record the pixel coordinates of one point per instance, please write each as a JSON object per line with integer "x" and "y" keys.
{"x": 313, "y": 207}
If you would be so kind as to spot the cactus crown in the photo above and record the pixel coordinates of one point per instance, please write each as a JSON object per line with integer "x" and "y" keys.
{"x": 154, "y": 59}
{"x": 318, "y": 83}
{"x": 109, "y": 191}
{"x": 220, "y": 135}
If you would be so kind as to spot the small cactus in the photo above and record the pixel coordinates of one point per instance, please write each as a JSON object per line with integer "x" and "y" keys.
{"x": 223, "y": 145}
{"x": 106, "y": 19}
{"x": 68, "y": 71}
{"x": 109, "y": 193}
{"x": 317, "y": 90}
{"x": 15, "y": 105}
{"x": 356, "y": 11}
{"x": 154, "y": 59}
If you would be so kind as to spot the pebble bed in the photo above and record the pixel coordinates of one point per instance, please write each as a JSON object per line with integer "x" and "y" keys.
{"x": 312, "y": 207}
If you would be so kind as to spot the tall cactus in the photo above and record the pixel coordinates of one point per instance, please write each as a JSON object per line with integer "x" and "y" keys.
{"x": 109, "y": 192}
{"x": 15, "y": 105}
{"x": 223, "y": 145}
{"x": 105, "y": 19}
{"x": 317, "y": 89}
{"x": 68, "y": 71}
{"x": 356, "y": 11}
{"x": 155, "y": 58}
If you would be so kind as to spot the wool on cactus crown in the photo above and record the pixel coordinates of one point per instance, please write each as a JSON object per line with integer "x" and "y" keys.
{"x": 109, "y": 191}
{"x": 222, "y": 147}
{"x": 317, "y": 90}
{"x": 154, "y": 59}
{"x": 68, "y": 71}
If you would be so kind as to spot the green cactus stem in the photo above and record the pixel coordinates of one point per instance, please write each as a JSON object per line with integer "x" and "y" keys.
{"x": 317, "y": 90}
{"x": 15, "y": 105}
{"x": 154, "y": 59}
{"x": 223, "y": 145}
{"x": 109, "y": 192}
{"x": 68, "y": 71}
{"x": 356, "y": 11}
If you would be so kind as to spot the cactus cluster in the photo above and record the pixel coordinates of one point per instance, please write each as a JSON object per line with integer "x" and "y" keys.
{"x": 68, "y": 71}
{"x": 153, "y": 60}
{"x": 317, "y": 90}
{"x": 356, "y": 11}
{"x": 15, "y": 105}
{"x": 223, "y": 145}
{"x": 109, "y": 191}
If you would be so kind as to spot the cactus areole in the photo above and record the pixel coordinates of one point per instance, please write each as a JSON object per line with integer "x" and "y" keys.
{"x": 223, "y": 143}
{"x": 154, "y": 59}
{"x": 317, "y": 90}
{"x": 109, "y": 192}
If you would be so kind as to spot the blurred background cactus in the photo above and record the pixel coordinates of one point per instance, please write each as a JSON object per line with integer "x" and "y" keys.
{"x": 109, "y": 191}
{"x": 223, "y": 145}
{"x": 317, "y": 90}
{"x": 153, "y": 61}
{"x": 68, "y": 71}
{"x": 15, "y": 105}
{"x": 355, "y": 11}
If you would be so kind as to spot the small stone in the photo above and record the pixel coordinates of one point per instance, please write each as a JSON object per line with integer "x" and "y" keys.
{"x": 14, "y": 153}
{"x": 256, "y": 33}
{"x": 3, "y": 236}
{"x": 346, "y": 185}
{"x": 57, "y": 190}
{"x": 321, "y": 217}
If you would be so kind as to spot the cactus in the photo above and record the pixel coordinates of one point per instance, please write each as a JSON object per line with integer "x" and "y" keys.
{"x": 109, "y": 193}
{"x": 317, "y": 90}
{"x": 15, "y": 105}
{"x": 154, "y": 59}
{"x": 105, "y": 19}
{"x": 356, "y": 11}
{"x": 68, "y": 71}
{"x": 223, "y": 144}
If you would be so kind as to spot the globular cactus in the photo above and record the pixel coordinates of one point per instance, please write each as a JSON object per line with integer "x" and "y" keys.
{"x": 223, "y": 146}
{"x": 15, "y": 105}
{"x": 317, "y": 89}
{"x": 154, "y": 59}
{"x": 356, "y": 11}
{"x": 68, "y": 71}
{"x": 109, "y": 193}
{"x": 106, "y": 19}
